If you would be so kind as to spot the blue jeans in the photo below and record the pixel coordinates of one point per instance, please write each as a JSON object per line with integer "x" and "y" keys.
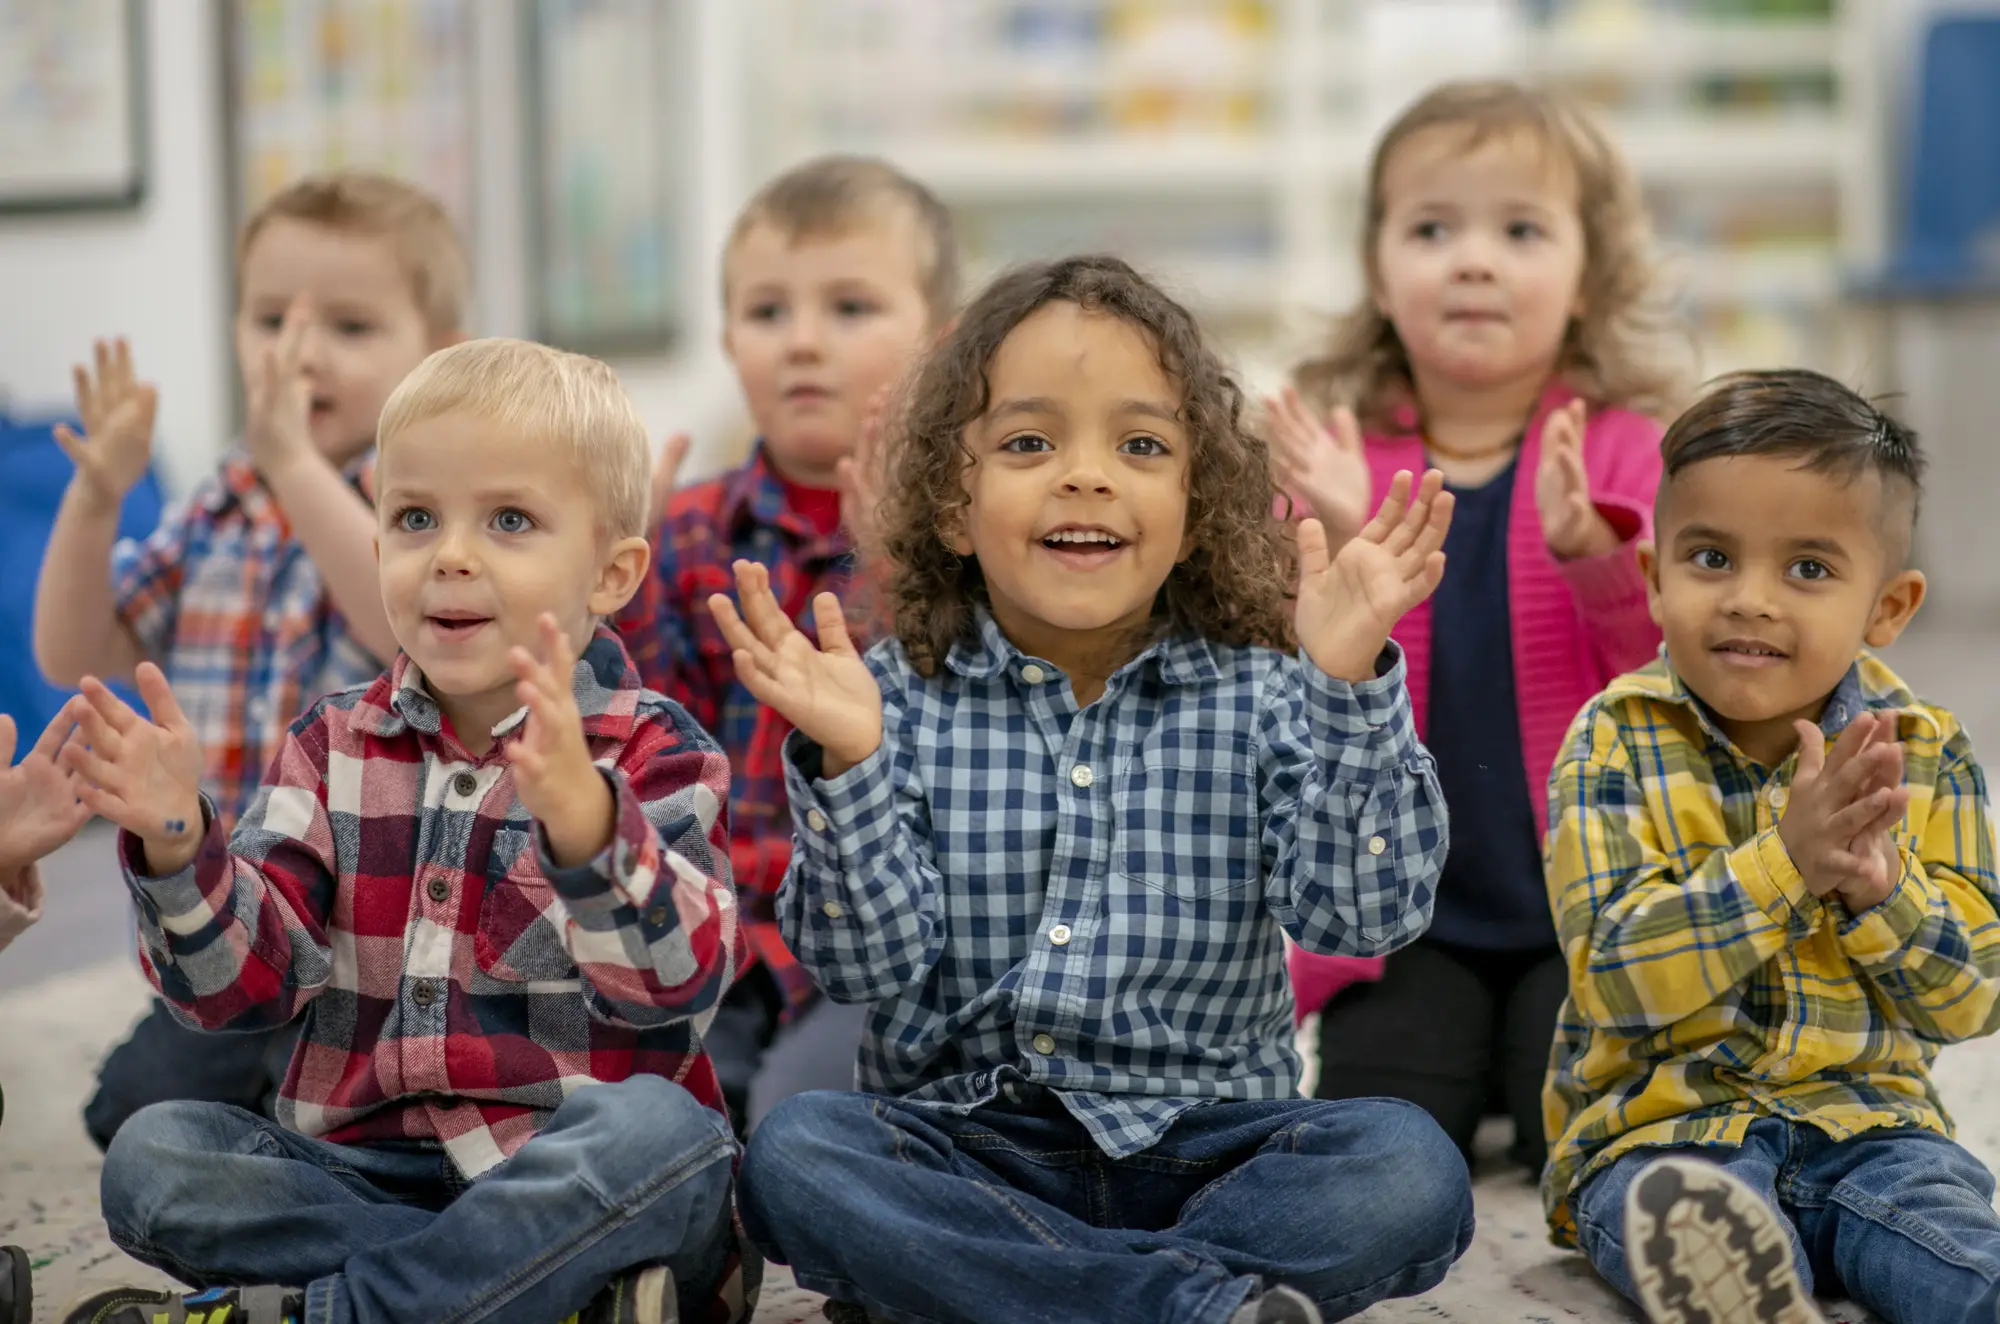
{"x": 163, "y": 1061}
{"x": 1012, "y": 1214}
{"x": 624, "y": 1174}
{"x": 1902, "y": 1221}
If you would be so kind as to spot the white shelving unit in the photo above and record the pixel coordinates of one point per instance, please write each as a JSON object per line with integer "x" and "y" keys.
{"x": 1222, "y": 142}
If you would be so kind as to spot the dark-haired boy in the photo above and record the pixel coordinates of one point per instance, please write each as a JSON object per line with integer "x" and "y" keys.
{"x": 1773, "y": 875}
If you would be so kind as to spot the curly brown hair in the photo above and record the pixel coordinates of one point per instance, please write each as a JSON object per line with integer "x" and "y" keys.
{"x": 1630, "y": 348}
{"x": 1231, "y": 588}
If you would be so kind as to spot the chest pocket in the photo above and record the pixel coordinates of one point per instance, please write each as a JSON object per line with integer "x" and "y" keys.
{"x": 521, "y": 919}
{"x": 1188, "y": 822}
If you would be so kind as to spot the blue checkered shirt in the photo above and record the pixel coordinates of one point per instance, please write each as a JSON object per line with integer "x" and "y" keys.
{"x": 1092, "y": 899}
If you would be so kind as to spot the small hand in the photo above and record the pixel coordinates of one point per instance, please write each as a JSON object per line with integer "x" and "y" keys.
{"x": 827, "y": 692}
{"x": 117, "y": 413}
{"x": 39, "y": 808}
{"x": 1349, "y": 603}
{"x": 1836, "y": 799}
{"x": 1570, "y": 523}
{"x": 145, "y": 776}
{"x": 553, "y": 773}
{"x": 860, "y": 475}
{"x": 666, "y": 473}
{"x": 278, "y": 397}
{"x": 1325, "y": 465}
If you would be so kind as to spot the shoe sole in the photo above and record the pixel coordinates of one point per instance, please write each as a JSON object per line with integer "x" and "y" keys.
{"x": 654, "y": 1300}
{"x": 1703, "y": 1248}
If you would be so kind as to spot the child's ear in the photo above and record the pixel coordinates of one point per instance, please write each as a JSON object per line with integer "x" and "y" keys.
{"x": 1894, "y": 607}
{"x": 619, "y": 578}
{"x": 1649, "y": 570}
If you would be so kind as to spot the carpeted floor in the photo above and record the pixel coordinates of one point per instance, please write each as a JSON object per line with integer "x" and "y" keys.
{"x": 53, "y": 1032}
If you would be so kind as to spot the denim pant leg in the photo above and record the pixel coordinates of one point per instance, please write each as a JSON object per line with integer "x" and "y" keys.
{"x": 1905, "y": 1219}
{"x": 164, "y": 1061}
{"x": 216, "y": 1195}
{"x": 1350, "y": 1201}
{"x": 1600, "y": 1204}
{"x": 624, "y": 1174}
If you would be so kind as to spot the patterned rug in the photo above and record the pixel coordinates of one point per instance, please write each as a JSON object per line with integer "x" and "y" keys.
{"x": 53, "y": 1034}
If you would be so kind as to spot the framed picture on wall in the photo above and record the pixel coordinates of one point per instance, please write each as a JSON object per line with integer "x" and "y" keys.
{"x": 606, "y": 125}
{"x": 317, "y": 85}
{"x": 72, "y": 105}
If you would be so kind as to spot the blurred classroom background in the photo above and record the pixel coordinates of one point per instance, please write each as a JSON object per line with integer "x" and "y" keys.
{"x": 1803, "y": 158}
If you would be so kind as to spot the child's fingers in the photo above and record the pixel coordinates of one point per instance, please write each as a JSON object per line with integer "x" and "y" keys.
{"x": 1346, "y": 429}
{"x": 53, "y": 737}
{"x": 760, "y": 607}
{"x": 557, "y": 650}
{"x": 159, "y": 697}
{"x": 100, "y": 356}
{"x": 1417, "y": 515}
{"x": 1812, "y": 752}
{"x": 1894, "y": 807}
{"x": 1313, "y": 558}
{"x": 113, "y": 712}
{"x": 1390, "y": 513}
{"x": 86, "y": 392}
{"x": 1430, "y": 538}
{"x": 103, "y": 803}
{"x": 70, "y": 444}
{"x": 292, "y": 333}
{"x": 1432, "y": 575}
{"x": 1848, "y": 822}
{"x": 92, "y": 766}
{"x": 121, "y": 364}
{"x": 9, "y": 733}
{"x": 743, "y": 642}
{"x": 831, "y": 622}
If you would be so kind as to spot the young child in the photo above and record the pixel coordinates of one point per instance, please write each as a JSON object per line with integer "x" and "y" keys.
{"x": 258, "y": 594}
{"x": 1768, "y": 939}
{"x": 39, "y": 811}
{"x": 1511, "y": 339}
{"x": 1054, "y": 828}
{"x": 494, "y": 882}
{"x": 836, "y": 275}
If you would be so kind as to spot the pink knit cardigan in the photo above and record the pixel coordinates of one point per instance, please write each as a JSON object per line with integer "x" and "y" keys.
{"x": 1575, "y": 624}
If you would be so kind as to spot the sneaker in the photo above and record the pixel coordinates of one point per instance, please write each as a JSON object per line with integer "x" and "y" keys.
{"x": 1703, "y": 1248}
{"x": 218, "y": 1305}
{"x": 17, "y": 1293}
{"x": 637, "y": 1296}
{"x": 1280, "y": 1305}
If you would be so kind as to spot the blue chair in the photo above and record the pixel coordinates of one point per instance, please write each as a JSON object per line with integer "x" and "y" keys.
{"x": 33, "y": 474}
{"x": 1950, "y": 240}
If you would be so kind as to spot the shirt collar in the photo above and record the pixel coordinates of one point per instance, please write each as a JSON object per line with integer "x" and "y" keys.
{"x": 1181, "y": 659}
{"x": 603, "y": 681}
{"x": 754, "y": 496}
{"x": 241, "y": 481}
{"x": 1847, "y": 702}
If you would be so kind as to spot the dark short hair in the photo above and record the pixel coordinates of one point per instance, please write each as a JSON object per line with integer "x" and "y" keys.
{"x": 1797, "y": 413}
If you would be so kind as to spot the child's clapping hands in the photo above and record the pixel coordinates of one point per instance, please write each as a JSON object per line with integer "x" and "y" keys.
{"x": 1843, "y": 805}
{"x": 553, "y": 772}
{"x": 39, "y": 811}
{"x": 1348, "y": 603}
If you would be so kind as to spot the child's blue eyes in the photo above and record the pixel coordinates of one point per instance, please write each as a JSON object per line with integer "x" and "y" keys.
{"x": 415, "y": 519}
{"x": 512, "y": 521}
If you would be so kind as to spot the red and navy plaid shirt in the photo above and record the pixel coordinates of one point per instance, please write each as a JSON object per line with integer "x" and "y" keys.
{"x": 680, "y": 651}
{"x": 456, "y": 984}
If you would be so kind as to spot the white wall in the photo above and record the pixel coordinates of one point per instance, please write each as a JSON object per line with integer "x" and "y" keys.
{"x": 157, "y": 275}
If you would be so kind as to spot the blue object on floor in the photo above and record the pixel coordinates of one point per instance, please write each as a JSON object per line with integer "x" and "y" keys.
{"x": 33, "y": 473}
{"x": 1950, "y": 224}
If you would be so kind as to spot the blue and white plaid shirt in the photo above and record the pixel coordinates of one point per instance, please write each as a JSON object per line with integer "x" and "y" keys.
{"x": 1091, "y": 899}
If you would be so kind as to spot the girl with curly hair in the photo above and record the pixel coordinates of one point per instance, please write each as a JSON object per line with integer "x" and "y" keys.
{"x": 1053, "y": 828}
{"x": 1515, "y": 335}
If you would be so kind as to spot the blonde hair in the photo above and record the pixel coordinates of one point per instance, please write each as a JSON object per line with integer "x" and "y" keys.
{"x": 426, "y": 244}
{"x": 1629, "y": 348}
{"x": 567, "y": 398}
{"x": 830, "y": 196}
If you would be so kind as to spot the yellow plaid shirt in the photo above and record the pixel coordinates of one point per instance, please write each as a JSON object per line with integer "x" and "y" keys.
{"x": 1708, "y": 987}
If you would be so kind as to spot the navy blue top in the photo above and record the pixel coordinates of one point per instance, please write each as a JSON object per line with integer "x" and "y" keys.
{"x": 1491, "y": 894}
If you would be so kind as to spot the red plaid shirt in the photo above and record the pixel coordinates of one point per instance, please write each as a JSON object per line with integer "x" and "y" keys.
{"x": 680, "y": 652}
{"x": 456, "y": 984}
{"x": 229, "y": 605}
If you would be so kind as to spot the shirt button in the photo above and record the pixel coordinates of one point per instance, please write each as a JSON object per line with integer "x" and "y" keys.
{"x": 1033, "y": 674}
{"x": 815, "y": 820}
{"x": 831, "y": 910}
{"x": 465, "y": 783}
{"x": 1059, "y": 935}
{"x": 657, "y": 917}
{"x": 1376, "y": 845}
{"x": 424, "y": 994}
{"x": 1082, "y": 775}
{"x": 1778, "y": 797}
{"x": 439, "y": 889}
{"x": 1044, "y": 1045}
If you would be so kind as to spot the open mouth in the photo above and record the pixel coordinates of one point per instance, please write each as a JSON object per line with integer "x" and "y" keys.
{"x": 808, "y": 395}
{"x": 1749, "y": 653}
{"x": 320, "y": 408}
{"x": 1080, "y": 545}
{"x": 456, "y": 625}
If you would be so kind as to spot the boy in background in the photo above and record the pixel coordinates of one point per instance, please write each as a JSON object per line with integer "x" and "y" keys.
{"x": 836, "y": 276}
{"x": 258, "y": 593}
{"x": 1772, "y": 870}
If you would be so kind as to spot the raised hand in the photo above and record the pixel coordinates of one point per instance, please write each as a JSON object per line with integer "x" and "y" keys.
{"x": 145, "y": 776}
{"x": 117, "y": 413}
{"x": 1841, "y": 801}
{"x": 1570, "y": 523}
{"x": 1324, "y": 465}
{"x": 39, "y": 809}
{"x": 1349, "y": 602}
{"x": 552, "y": 768}
{"x": 827, "y": 692}
{"x": 860, "y": 475}
{"x": 666, "y": 473}
{"x": 277, "y": 425}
